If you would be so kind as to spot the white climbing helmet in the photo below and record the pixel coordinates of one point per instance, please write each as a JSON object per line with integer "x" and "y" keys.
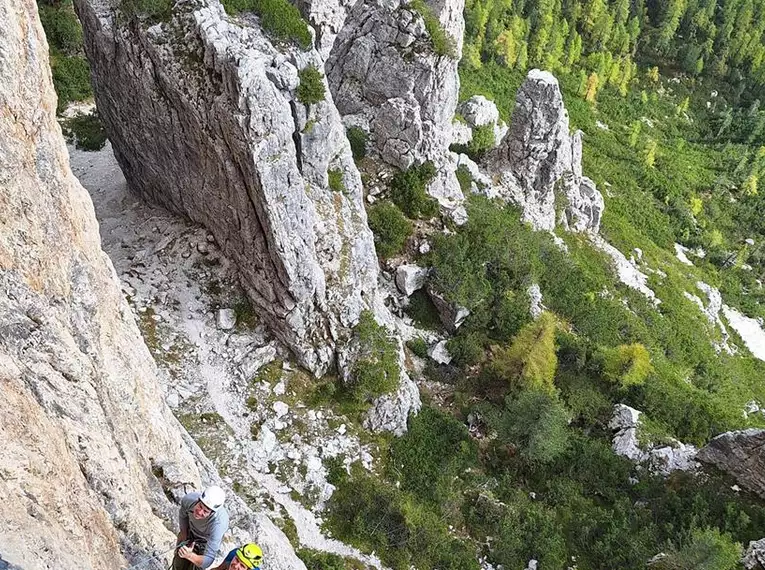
{"x": 213, "y": 497}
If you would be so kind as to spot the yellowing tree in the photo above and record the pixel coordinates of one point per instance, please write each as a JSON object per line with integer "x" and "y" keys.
{"x": 592, "y": 88}
{"x": 627, "y": 364}
{"x": 649, "y": 153}
{"x": 530, "y": 361}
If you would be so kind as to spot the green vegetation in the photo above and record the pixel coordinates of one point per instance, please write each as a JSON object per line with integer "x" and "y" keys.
{"x": 408, "y": 191}
{"x": 418, "y": 346}
{"x": 316, "y": 560}
{"x": 70, "y": 69}
{"x": 423, "y": 311}
{"x": 279, "y": 18}
{"x": 86, "y": 131}
{"x": 152, "y": 11}
{"x": 376, "y": 370}
{"x": 311, "y": 88}
{"x": 390, "y": 228}
{"x": 335, "y": 180}
{"x": 443, "y": 43}
{"x": 358, "y": 139}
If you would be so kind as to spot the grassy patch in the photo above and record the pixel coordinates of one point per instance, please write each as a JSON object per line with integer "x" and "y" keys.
{"x": 279, "y": 18}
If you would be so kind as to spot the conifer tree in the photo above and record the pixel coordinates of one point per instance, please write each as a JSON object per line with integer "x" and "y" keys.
{"x": 591, "y": 90}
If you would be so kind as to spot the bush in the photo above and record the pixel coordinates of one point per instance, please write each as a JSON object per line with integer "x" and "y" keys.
{"x": 278, "y": 17}
{"x": 418, "y": 347}
{"x": 536, "y": 422}
{"x": 390, "y": 228}
{"x": 316, "y": 560}
{"x": 423, "y": 311}
{"x": 71, "y": 78}
{"x": 376, "y": 370}
{"x": 86, "y": 131}
{"x": 358, "y": 139}
{"x": 443, "y": 43}
{"x": 335, "y": 180}
{"x": 62, "y": 28}
{"x": 466, "y": 348}
{"x": 408, "y": 191}
{"x": 708, "y": 549}
{"x": 627, "y": 364}
{"x": 311, "y": 88}
{"x": 464, "y": 178}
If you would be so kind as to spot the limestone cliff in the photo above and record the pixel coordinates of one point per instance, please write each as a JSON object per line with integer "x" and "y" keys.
{"x": 387, "y": 78}
{"x": 204, "y": 117}
{"x": 539, "y": 162}
{"x": 83, "y": 424}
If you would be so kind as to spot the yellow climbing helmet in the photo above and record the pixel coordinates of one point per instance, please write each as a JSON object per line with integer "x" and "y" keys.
{"x": 250, "y": 555}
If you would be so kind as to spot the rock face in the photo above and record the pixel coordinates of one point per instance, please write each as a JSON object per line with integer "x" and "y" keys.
{"x": 204, "y": 119}
{"x": 478, "y": 111}
{"x": 386, "y": 78}
{"x": 540, "y": 163}
{"x": 662, "y": 460}
{"x": 84, "y": 428}
{"x": 741, "y": 454}
{"x": 754, "y": 559}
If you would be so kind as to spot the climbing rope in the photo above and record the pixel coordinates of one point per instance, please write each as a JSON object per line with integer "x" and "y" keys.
{"x": 156, "y": 557}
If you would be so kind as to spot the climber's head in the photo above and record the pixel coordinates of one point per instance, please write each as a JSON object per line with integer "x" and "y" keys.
{"x": 211, "y": 500}
{"x": 247, "y": 557}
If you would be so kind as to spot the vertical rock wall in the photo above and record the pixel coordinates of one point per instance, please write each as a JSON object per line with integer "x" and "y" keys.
{"x": 83, "y": 425}
{"x": 204, "y": 119}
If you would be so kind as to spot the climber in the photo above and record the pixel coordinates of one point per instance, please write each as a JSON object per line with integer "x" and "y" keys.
{"x": 203, "y": 520}
{"x": 249, "y": 556}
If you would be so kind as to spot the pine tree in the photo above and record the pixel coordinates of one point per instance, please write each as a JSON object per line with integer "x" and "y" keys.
{"x": 573, "y": 48}
{"x": 673, "y": 11}
{"x": 582, "y": 89}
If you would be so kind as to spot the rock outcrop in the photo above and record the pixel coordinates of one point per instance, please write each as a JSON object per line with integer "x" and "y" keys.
{"x": 204, "y": 118}
{"x": 754, "y": 558}
{"x": 664, "y": 459}
{"x": 83, "y": 424}
{"x": 741, "y": 454}
{"x": 539, "y": 162}
{"x": 386, "y": 78}
{"x": 479, "y": 112}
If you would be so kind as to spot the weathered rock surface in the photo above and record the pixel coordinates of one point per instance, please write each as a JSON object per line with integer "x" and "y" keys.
{"x": 204, "y": 120}
{"x": 741, "y": 454}
{"x": 479, "y": 111}
{"x": 410, "y": 278}
{"x": 83, "y": 425}
{"x": 539, "y": 161}
{"x": 452, "y": 316}
{"x": 384, "y": 74}
{"x": 754, "y": 558}
{"x": 625, "y": 422}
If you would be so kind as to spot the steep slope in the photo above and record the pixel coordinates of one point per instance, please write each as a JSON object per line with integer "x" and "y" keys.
{"x": 82, "y": 421}
{"x": 205, "y": 119}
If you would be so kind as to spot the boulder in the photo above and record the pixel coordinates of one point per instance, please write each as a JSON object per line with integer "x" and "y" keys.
{"x": 451, "y": 315}
{"x": 479, "y": 111}
{"x": 439, "y": 353}
{"x": 225, "y": 319}
{"x": 535, "y": 300}
{"x": 740, "y": 454}
{"x": 410, "y": 278}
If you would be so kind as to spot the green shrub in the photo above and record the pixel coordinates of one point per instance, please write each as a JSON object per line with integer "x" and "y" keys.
{"x": 62, "y": 28}
{"x": 376, "y": 370}
{"x": 408, "y": 191}
{"x": 152, "y": 10}
{"x": 708, "y": 549}
{"x": 536, "y": 422}
{"x": 86, "y": 131}
{"x": 358, "y": 139}
{"x": 335, "y": 180}
{"x": 418, "y": 346}
{"x": 311, "y": 88}
{"x": 466, "y": 348}
{"x": 423, "y": 311}
{"x": 316, "y": 560}
{"x": 443, "y": 43}
{"x": 482, "y": 141}
{"x": 390, "y": 228}
{"x": 279, "y": 18}
{"x": 71, "y": 79}
{"x": 464, "y": 178}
